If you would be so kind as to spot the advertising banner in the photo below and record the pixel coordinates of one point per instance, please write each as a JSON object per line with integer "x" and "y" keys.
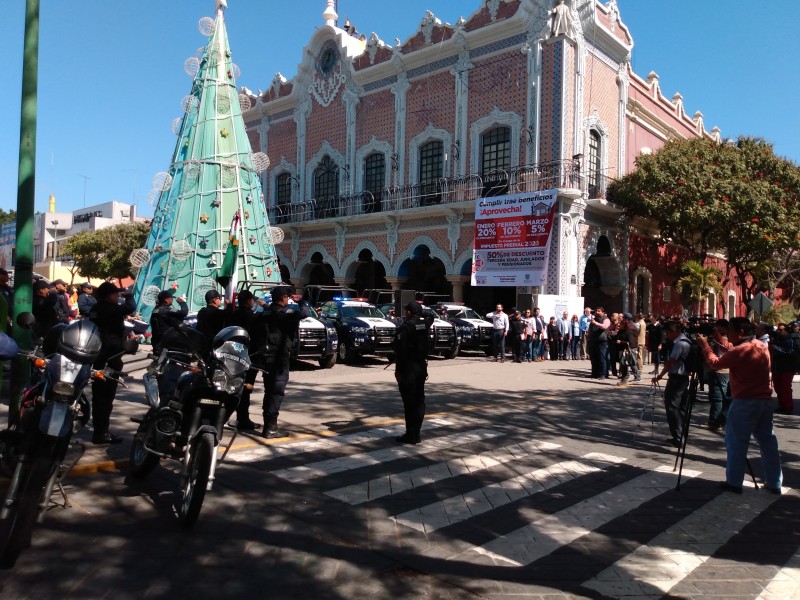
{"x": 512, "y": 239}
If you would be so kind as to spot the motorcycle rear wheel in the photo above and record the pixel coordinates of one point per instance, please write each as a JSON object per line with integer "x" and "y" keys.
{"x": 15, "y": 530}
{"x": 196, "y": 480}
{"x": 141, "y": 462}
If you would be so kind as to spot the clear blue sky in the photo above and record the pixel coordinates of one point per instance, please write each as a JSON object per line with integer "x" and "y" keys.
{"x": 111, "y": 75}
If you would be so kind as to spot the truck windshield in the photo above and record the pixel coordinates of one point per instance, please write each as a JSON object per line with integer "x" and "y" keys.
{"x": 361, "y": 311}
{"x": 463, "y": 313}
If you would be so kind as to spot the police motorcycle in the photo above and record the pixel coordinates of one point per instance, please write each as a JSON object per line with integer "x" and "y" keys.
{"x": 36, "y": 449}
{"x": 192, "y": 391}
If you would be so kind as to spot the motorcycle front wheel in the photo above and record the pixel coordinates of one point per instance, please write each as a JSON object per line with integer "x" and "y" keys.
{"x": 15, "y": 530}
{"x": 141, "y": 462}
{"x": 196, "y": 479}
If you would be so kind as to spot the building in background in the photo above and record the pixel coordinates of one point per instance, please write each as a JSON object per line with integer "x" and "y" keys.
{"x": 52, "y": 229}
{"x": 379, "y": 151}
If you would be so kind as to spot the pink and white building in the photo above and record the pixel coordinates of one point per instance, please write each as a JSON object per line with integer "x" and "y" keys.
{"x": 379, "y": 151}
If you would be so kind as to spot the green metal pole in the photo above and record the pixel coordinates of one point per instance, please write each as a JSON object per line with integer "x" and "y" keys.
{"x": 23, "y": 266}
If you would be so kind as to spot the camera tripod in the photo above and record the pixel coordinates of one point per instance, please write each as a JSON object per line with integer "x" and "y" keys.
{"x": 650, "y": 399}
{"x": 691, "y": 398}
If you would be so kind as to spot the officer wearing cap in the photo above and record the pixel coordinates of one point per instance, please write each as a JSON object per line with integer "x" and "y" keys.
{"x": 211, "y": 318}
{"x": 245, "y": 317}
{"x": 277, "y": 328}
{"x": 165, "y": 316}
{"x": 109, "y": 316}
{"x": 86, "y": 299}
{"x": 46, "y": 308}
{"x": 411, "y": 369}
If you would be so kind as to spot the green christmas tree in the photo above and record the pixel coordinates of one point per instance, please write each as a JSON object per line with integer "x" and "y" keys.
{"x": 210, "y": 226}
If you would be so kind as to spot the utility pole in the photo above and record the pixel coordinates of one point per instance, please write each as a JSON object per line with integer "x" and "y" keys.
{"x": 26, "y": 193}
{"x": 85, "y": 179}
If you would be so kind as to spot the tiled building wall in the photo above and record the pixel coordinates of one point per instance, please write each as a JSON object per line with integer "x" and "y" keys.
{"x": 601, "y": 99}
{"x": 375, "y": 118}
{"x": 326, "y": 123}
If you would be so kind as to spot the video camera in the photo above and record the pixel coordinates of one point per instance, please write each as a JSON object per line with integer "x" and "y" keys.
{"x": 699, "y": 325}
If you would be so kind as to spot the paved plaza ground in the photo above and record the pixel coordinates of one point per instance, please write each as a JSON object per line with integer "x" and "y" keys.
{"x": 532, "y": 481}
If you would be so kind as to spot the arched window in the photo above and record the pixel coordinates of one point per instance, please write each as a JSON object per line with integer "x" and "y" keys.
{"x": 431, "y": 168}
{"x": 374, "y": 181}
{"x": 283, "y": 197}
{"x": 595, "y": 165}
{"x": 326, "y": 188}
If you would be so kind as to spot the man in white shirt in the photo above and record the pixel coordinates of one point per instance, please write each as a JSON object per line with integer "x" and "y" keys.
{"x": 499, "y": 332}
{"x": 583, "y": 322}
{"x": 563, "y": 329}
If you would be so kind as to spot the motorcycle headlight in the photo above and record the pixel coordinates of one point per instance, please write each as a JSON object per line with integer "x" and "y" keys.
{"x": 331, "y": 331}
{"x": 224, "y": 383}
{"x": 63, "y": 388}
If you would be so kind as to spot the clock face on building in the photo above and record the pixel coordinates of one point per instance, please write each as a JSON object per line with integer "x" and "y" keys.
{"x": 327, "y": 60}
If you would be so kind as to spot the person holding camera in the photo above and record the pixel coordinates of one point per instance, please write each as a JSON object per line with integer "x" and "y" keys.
{"x": 750, "y": 412}
{"x": 676, "y": 392}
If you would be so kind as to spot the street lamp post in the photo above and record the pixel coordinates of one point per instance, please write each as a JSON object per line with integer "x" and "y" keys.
{"x": 55, "y": 247}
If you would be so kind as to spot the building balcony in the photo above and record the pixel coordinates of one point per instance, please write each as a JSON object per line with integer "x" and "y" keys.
{"x": 563, "y": 175}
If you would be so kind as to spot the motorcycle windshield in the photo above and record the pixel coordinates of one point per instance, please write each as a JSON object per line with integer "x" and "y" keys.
{"x": 66, "y": 378}
{"x": 233, "y": 358}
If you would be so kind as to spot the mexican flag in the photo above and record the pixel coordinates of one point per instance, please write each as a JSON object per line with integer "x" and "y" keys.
{"x": 228, "y": 274}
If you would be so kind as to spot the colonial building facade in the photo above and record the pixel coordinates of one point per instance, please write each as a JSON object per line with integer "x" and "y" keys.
{"x": 380, "y": 150}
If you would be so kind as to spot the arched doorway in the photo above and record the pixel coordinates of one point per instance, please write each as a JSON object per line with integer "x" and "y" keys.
{"x": 425, "y": 273}
{"x": 321, "y": 272}
{"x": 370, "y": 274}
{"x": 602, "y": 283}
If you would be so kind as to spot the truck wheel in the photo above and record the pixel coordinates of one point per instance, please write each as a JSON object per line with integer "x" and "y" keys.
{"x": 453, "y": 353}
{"x": 327, "y": 362}
{"x": 346, "y": 354}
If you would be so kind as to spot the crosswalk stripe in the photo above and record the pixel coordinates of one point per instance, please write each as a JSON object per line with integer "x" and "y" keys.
{"x": 651, "y": 570}
{"x": 538, "y": 539}
{"x": 335, "y": 441}
{"x": 464, "y": 506}
{"x": 786, "y": 584}
{"x": 356, "y": 461}
{"x": 382, "y": 486}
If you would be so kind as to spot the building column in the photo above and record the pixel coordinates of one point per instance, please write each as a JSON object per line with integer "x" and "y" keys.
{"x": 345, "y": 281}
{"x": 396, "y": 282}
{"x": 458, "y": 282}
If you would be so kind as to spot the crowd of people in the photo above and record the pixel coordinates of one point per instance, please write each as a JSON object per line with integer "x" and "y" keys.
{"x": 743, "y": 362}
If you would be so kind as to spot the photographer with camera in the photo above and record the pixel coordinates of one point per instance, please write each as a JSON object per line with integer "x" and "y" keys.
{"x": 676, "y": 392}
{"x": 750, "y": 412}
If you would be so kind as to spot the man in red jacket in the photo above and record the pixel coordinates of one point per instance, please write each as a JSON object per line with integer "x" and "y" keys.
{"x": 750, "y": 412}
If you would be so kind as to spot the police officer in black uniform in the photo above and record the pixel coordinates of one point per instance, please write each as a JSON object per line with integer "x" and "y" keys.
{"x": 164, "y": 316}
{"x": 277, "y": 326}
{"x": 109, "y": 316}
{"x": 211, "y": 318}
{"x": 244, "y": 317}
{"x": 411, "y": 369}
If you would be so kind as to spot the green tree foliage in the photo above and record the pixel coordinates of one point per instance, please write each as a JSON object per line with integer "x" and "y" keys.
{"x": 104, "y": 253}
{"x": 736, "y": 198}
{"x": 7, "y": 217}
{"x": 697, "y": 281}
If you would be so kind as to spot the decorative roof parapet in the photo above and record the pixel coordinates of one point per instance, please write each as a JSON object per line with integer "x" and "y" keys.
{"x": 330, "y": 16}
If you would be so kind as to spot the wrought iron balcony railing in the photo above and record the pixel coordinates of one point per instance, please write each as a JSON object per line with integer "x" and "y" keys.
{"x": 445, "y": 190}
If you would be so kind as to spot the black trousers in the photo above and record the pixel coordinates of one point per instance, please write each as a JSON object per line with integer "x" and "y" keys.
{"x": 499, "y": 342}
{"x": 243, "y": 409}
{"x": 275, "y": 382}
{"x": 412, "y": 391}
{"x": 676, "y": 395}
{"x": 103, "y": 392}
